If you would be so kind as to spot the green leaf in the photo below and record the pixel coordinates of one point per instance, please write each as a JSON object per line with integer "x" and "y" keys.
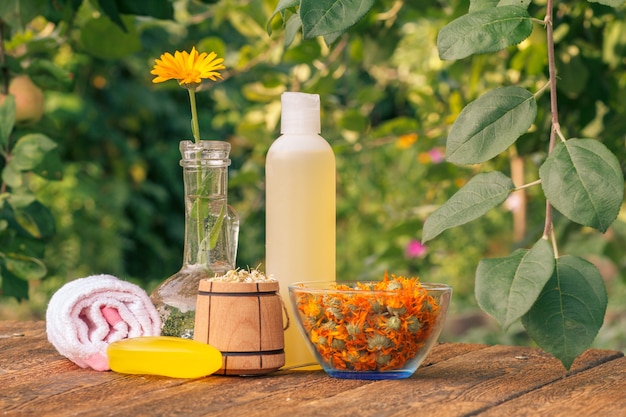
{"x": 12, "y": 177}
{"x": 118, "y": 43}
{"x": 506, "y": 288}
{"x": 30, "y": 150}
{"x": 212, "y": 43}
{"x": 49, "y": 76}
{"x": 34, "y": 220}
{"x": 476, "y": 5}
{"x": 573, "y": 73}
{"x": 61, "y": 10}
{"x": 583, "y": 180}
{"x": 521, "y": 3}
{"x": 110, "y": 9}
{"x": 354, "y": 120}
{"x": 281, "y": 8}
{"x": 612, "y": 3}
{"x": 19, "y": 12}
{"x": 24, "y": 267}
{"x": 324, "y": 17}
{"x": 51, "y": 166}
{"x": 482, "y": 193}
{"x": 483, "y": 31}
{"x": 569, "y": 311}
{"x": 159, "y": 9}
{"x": 331, "y": 38}
{"x": 13, "y": 286}
{"x": 293, "y": 26}
{"x": 490, "y": 124}
{"x": 7, "y": 119}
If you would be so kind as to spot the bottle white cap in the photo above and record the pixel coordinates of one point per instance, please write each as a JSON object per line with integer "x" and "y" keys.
{"x": 300, "y": 113}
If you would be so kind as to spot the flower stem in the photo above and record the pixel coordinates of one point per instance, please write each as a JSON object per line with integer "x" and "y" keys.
{"x": 195, "y": 128}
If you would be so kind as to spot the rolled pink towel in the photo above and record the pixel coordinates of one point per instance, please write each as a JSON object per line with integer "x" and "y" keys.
{"x": 87, "y": 314}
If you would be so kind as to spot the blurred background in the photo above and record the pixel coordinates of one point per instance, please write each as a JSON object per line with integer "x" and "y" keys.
{"x": 115, "y": 203}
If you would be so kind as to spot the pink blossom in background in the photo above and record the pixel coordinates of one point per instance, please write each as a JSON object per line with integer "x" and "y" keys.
{"x": 415, "y": 249}
{"x": 436, "y": 155}
{"x": 513, "y": 202}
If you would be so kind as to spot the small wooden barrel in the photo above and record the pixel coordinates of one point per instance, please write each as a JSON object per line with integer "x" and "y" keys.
{"x": 244, "y": 321}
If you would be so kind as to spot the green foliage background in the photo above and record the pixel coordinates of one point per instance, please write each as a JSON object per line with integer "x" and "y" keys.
{"x": 388, "y": 102}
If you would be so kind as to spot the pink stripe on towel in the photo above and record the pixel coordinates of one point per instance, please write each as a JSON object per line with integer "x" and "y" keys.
{"x": 86, "y": 315}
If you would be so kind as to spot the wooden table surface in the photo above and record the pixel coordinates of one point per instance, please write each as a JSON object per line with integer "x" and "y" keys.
{"x": 455, "y": 380}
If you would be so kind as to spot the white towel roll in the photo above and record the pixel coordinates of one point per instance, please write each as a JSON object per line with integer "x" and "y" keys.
{"x": 87, "y": 314}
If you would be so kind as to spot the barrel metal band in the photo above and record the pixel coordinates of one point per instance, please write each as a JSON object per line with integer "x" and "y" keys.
{"x": 237, "y": 294}
{"x": 260, "y": 352}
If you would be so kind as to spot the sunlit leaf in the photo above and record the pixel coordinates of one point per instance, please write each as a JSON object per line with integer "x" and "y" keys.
{"x": 612, "y": 3}
{"x": 324, "y": 17}
{"x": 7, "y": 118}
{"x": 34, "y": 220}
{"x": 19, "y": 12}
{"x": 292, "y": 28}
{"x": 521, "y": 3}
{"x": 24, "y": 267}
{"x": 487, "y": 30}
{"x": 490, "y": 124}
{"x": 506, "y": 288}
{"x": 482, "y": 193}
{"x": 281, "y": 8}
{"x": 12, "y": 177}
{"x": 30, "y": 150}
{"x": 583, "y": 180}
{"x": 476, "y": 5}
{"x": 569, "y": 311}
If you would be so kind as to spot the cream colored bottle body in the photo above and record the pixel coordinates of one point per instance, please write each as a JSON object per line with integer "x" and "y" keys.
{"x": 300, "y": 221}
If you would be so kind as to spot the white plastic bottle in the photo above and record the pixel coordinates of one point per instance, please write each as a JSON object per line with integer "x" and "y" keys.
{"x": 300, "y": 208}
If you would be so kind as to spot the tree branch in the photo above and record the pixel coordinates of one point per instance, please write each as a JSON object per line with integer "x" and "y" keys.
{"x": 547, "y": 230}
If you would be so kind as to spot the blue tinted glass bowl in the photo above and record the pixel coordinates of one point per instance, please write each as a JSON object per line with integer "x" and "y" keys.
{"x": 356, "y": 332}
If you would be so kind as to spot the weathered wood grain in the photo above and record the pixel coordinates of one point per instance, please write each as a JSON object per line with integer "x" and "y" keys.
{"x": 455, "y": 380}
{"x": 599, "y": 391}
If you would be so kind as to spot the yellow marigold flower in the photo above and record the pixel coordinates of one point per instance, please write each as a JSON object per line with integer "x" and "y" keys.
{"x": 188, "y": 68}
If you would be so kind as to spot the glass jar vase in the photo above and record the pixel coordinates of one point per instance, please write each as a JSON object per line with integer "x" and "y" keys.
{"x": 211, "y": 234}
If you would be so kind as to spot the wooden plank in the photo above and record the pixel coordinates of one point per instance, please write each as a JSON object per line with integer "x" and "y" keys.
{"x": 595, "y": 392}
{"x": 455, "y": 380}
{"x": 455, "y": 387}
{"x": 287, "y": 393}
{"x": 9, "y": 327}
{"x": 97, "y": 393}
{"x": 24, "y": 345}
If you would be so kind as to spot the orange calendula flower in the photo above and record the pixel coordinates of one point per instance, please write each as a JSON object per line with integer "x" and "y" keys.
{"x": 188, "y": 68}
{"x": 359, "y": 332}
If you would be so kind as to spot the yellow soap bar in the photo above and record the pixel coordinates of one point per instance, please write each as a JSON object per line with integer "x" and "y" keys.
{"x": 164, "y": 355}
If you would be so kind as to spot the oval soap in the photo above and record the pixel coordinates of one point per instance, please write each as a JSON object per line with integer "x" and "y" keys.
{"x": 164, "y": 355}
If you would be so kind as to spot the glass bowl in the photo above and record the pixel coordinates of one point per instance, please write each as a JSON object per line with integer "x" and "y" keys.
{"x": 370, "y": 329}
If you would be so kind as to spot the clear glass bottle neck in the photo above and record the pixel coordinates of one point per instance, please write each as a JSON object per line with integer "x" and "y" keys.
{"x": 207, "y": 232}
